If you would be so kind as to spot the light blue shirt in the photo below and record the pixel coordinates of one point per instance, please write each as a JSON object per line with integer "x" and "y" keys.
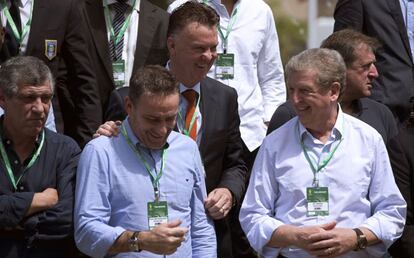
{"x": 362, "y": 190}
{"x": 407, "y": 9}
{"x": 113, "y": 189}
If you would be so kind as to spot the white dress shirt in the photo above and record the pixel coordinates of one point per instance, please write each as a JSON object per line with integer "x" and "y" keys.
{"x": 362, "y": 190}
{"x": 258, "y": 70}
{"x": 130, "y": 36}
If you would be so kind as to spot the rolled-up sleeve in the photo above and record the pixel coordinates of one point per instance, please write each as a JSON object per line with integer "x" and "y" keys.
{"x": 257, "y": 212}
{"x": 93, "y": 235}
{"x": 388, "y": 205}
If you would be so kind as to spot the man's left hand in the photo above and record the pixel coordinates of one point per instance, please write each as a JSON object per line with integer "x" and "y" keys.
{"x": 218, "y": 203}
{"x": 332, "y": 243}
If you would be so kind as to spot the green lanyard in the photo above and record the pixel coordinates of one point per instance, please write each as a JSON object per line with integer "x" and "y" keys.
{"x": 155, "y": 179}
{"x": 19, "y": 37}
{"x": 7, "y": 161}
{"x": 316, "y": 168}
{"x": 223, "y": 37}
{"x": 116, "y": 38}
{"x": 187, "y": 131}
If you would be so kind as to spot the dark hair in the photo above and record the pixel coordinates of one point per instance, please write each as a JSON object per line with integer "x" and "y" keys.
{"x": 23, "y": 70}
{"x": 189, "y": 12}
{"x": 347, "y": 41}
{"x": 152, "y": 79}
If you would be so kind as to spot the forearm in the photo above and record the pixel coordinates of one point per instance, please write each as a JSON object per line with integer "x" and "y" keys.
{"x": 372, "y": 239}
{"x": 121, "y": 244}
{"x": 283, "y": 236}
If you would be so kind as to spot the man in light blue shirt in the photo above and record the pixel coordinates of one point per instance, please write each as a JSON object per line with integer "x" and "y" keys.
{"x": 141, "y": 194}
{"x": 322, "y": 184}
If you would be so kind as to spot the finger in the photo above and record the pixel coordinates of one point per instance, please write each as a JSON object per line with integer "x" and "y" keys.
{"x": 118, "y": 122}
{"x": 329, "y": 252}
{"x": 174, "y": 223}
{"x": 316, "y": 237}
{"x": 210, "y": 200}
{"x": 321, "y": 245}
{"x": 329, "y": 225}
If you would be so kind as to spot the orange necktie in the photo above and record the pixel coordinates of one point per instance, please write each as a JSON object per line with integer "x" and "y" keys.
{"x": 191, "y": 97}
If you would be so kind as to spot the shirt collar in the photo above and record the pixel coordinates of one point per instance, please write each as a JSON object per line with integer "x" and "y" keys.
{"x": 337, "y": 131}
{"x": 196, "y": 87}
{"x": 134, "y": 139}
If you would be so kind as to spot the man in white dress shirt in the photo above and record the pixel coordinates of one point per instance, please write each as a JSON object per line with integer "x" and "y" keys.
{"x": 322, "y": 184}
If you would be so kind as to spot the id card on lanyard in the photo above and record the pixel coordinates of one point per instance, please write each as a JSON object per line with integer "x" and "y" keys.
{"x": 157, "y": 211}
{"x": 224, "y": 68}
{"x": 317, "y": 197}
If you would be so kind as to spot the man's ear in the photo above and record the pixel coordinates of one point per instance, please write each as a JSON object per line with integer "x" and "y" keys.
{"x": 128, "y": 105}
{"x": 335, "y": 91}
{"x": 171, "y": 45}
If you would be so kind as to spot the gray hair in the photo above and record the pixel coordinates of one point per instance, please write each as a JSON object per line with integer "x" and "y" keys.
{"x": 23, "y": 70}
{"x": 327, "y": 63}
{"x": 152, "y": 79}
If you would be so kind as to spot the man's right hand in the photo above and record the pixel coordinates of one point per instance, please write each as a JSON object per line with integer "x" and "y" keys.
{"x": 163, "y": 239}
{"x": 109, "y": 129}
{"x": 43, "y": 201}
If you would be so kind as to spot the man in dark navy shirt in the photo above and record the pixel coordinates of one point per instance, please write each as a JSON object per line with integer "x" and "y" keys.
{"x": 37, "y": 166}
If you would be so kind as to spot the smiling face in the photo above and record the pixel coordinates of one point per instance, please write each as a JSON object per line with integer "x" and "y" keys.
{"x": 26, "y": 112}
{"x": 313, "y": 105}
{"x": 152, "y": 118}
{"x": 192, "y": 52}
{"x": 361, "y": 73}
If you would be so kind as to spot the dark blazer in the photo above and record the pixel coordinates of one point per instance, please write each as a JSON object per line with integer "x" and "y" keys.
{"x": 61, "y": 21}
{"x": 220, "y": 146}
{"x": 383, "y": 20}
{"x": 151, "y": 42}
{"x": 401, "y": 152}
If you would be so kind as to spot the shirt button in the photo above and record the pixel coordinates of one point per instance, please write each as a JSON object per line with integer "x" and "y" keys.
{"x": 21, "y": 188}
{"x": 16, "y": 162}
{"x": 8, "y": 142}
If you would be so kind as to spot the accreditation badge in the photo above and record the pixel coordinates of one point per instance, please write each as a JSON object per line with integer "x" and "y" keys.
{"x": 317, "y": 201}
{"x": 157, "y": 213}
{"x": 50, "y": 48}
{"x": 225, "y": 66}
{"x": 118, "y": 69}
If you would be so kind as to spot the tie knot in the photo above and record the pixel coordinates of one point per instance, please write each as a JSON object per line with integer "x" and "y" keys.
{"x": 190, "y": 96}
{"x": 120, "y": 6}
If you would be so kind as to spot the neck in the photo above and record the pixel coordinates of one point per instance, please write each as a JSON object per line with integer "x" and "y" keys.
{"x": 323, "y": 131}
{"x": 23, "y": 145}
{"x": 229, "y": 4}
{"x": 180, "y": 78}
{"x": 347, "y": 106}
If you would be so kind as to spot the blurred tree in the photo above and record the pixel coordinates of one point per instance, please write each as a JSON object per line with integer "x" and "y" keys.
{"x": 292, "y": 32}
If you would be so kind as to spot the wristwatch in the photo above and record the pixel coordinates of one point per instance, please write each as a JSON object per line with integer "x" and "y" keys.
{"x": 362, "y": 241}
{"x": 134, "y": 242}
